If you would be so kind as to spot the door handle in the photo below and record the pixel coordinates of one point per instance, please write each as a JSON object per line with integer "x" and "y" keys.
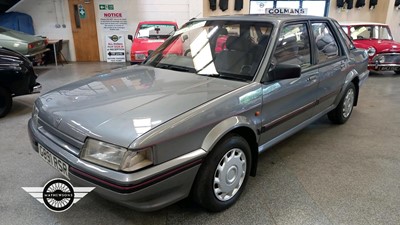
{"x": 312, "y": 78}
{"x": 342, "y": 64}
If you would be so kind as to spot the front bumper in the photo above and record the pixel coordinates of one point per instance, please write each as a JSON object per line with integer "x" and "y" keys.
{"x": 384, "y": 67}
{"x": 385, "y": 62}
{"x": 31, "y": 54}
{"x": 146, "y": 190}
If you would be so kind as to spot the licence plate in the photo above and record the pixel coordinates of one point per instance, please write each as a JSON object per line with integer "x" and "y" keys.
{"x": 389, "y": 68}
{"x": 53, "y": 160}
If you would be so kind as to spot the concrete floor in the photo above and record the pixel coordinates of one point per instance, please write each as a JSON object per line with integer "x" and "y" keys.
{"x": 325, "y": 174}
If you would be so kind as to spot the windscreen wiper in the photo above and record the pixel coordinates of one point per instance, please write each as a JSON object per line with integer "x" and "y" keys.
{"x": 228, "y": 76}
{"x": 175, "y": 67}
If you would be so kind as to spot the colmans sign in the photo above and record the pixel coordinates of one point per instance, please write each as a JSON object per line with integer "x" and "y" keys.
{"x": 300, "y": 11}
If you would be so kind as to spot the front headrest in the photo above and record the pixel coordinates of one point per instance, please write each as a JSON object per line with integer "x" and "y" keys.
{"x": 236, "y": 43}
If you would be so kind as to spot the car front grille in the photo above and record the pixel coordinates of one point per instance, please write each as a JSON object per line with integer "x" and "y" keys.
{"x": 390, "y": 58}
{"x": 68, "y": 143}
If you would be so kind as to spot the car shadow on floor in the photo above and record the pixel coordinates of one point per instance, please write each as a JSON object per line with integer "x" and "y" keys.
{"x": 382, "y": 74}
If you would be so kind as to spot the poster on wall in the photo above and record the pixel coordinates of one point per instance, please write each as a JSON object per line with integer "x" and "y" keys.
{"x": 115, "y": 48}
{"x": 258, "y": 7}
{"x": 113, "y": 21}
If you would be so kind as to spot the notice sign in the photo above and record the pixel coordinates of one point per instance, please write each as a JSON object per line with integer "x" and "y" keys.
{"x": 290, "y": 11}
{"x": 115, "y": 48}
{"x": 113, "y": 21}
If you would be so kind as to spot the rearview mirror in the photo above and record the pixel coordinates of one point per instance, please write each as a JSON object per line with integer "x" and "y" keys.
{"x": 282, "y": 72}
{"x": 130, "y": 37}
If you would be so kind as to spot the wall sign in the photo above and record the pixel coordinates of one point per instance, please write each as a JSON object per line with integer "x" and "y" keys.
{"x": 258, "y": 7}
{"x": 115, "y": 48}
{"x": 82, "y": 11}
{"x": 113, "y": 21}
{"x": 106, "y": 7}
{"x": 299, "y": 11}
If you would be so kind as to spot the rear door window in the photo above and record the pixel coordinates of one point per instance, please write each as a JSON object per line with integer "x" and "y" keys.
{"x": 327, "y": 47}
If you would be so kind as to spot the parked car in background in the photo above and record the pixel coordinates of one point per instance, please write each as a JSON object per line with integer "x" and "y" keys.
{"x": 149, "y": 36}
{"x": 383, "y": 51}
{"x": 193, "y": 123}
{"x": 30, "y": 46}
{"x": 17, "y": 77}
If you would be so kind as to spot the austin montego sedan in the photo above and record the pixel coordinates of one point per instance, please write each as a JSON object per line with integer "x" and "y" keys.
{"x": 193, "y": 124}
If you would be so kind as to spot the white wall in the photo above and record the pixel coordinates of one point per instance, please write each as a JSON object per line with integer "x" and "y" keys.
{"x": 393, "y": 19}
{"x": 45, "y": 14}
{"x": 179, "y": 11}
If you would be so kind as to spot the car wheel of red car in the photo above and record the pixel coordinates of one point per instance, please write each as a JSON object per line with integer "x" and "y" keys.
{"x": 5, "y": 102}
{"x": 223, "y": 175}
{"x": 344, "y": 109}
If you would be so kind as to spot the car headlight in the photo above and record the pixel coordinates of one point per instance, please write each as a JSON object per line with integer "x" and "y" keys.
{"x": 371, "y": 51}
{"x": 115, "y": 157}
{"x": 139, "y": 56}
{"x": 381, "y": 59}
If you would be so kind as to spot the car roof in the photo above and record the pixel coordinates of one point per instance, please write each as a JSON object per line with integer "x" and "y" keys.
{"x": 361, "y": 23}
{"x": 264, "y": 18}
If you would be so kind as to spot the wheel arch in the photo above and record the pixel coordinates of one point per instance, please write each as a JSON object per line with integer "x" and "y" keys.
{"x": 351, "y": 77}
{"x": 239, "y": 125}
{"x": 356, "y": 82}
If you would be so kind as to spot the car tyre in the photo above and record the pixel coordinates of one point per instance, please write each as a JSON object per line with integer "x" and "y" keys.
{"x": 343, "y": 110}
{"x": 397, "y": 71}
{"x": 223, "y": 175}
{"x": 5, "y": 102}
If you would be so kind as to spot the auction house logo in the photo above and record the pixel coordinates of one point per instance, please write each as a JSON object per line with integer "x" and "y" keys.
{"x": 58, "y": 195}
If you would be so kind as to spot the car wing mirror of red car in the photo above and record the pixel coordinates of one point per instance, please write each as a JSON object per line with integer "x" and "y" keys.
{"x": 184, "y": 37}
{"x": 130, "y": 37}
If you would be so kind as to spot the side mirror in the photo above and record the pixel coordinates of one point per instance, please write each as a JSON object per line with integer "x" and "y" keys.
{"x": 130, "y": 37}
{"x": 184, "y": 37}
{"x": 283, "y": 72}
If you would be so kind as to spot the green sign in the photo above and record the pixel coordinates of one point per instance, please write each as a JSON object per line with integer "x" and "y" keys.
{"x": 82, "y": 13}
{"x": 106, "y": 7}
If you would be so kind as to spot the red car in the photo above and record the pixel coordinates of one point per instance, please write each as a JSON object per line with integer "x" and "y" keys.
{"x": 149, "y": 35}
{"x": 383, "y": 51}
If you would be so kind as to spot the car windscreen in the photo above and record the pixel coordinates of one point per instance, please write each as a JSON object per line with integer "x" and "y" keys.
{"x": 226, "y": 49}
{"x": 155, "y": 31}
{"x": 370, "y": 32}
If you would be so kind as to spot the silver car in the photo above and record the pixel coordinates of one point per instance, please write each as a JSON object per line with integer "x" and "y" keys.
{"x": 192, "y": 119}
